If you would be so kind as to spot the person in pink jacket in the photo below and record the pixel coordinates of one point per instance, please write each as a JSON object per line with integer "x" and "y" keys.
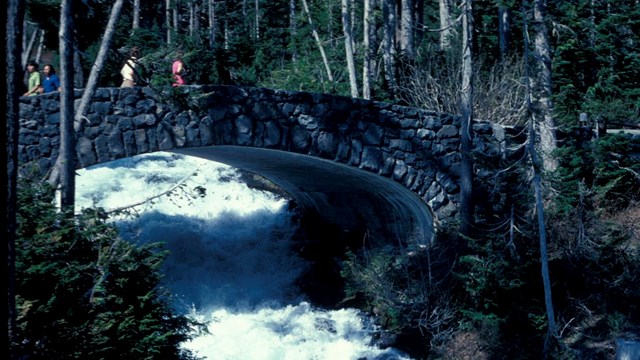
{"x": 177, "y": 69}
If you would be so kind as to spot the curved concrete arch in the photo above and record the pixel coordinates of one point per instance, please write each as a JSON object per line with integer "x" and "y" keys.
{"x": 367, "y": 166}
{"x": 356, "y": 201}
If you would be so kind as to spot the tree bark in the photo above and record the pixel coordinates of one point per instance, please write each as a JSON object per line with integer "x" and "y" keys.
{"x": 98, "y": 65}
{"x": 13, "y": 64}
{"x": 136, "y": 15}
{"x": 27, "y": 51}
{"x": 257, "y": 10}
{"x": 78, "y": 76}
{"x": 67, "y": 157}
{"x": 318, "y": 42}
{"x": 446, "y": 24}
{"x": 466, "y": 129}
{"x": 367, "y": 42}
{"x": 504, "y": 31}
{"x": 167, "y": 15}
{"x": 348, "y": 46}
{"x": 40, "y": 47}
{"x": 389, "y": 45}
{"x": 293, "y": 29}
{"x": 192, "y": 18}
{"x": 539, "y": 198}
{"x": 89, "y": 90}
{"x": 212, "y": 24}
{"x": 406, "y": 30}
{"x": 544, "y": 106}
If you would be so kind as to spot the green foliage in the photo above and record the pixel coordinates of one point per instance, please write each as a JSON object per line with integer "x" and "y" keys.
{"x": 600, "y": 173}
{"x": 596, "y": 59}
{"x": 380, "y": 276}
{"x": 89, "y": 294}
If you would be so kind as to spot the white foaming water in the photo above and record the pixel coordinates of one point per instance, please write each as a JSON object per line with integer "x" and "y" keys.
{"x": 230, "y": 261}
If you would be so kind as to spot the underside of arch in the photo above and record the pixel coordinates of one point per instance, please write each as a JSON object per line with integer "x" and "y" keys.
{"x": 352, "y": 199}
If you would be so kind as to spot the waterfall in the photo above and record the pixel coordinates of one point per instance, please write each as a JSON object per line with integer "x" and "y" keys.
{"x": 231, "y": 261}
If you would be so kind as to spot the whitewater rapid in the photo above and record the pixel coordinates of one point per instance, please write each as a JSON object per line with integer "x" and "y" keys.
{"x": 231, "y": 262}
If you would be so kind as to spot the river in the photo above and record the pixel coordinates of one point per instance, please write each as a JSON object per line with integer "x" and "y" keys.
{"x": 231, "y": 261}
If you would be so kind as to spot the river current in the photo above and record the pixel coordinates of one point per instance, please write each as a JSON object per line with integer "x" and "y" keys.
{"x": 231, "y": 262}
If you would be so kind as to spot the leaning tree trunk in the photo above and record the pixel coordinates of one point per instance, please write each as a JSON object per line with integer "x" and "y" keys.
{"x": 66, "y": 158}
{"x": 348, "y": 46}
{"x": 90, "y": 88}
{"x": 98, "y": 65}
{"x": 318, "y": 42}
{"x": 40, "y": 47}
{"x": 13, "y": 65}
{"x": 27, "y": 51}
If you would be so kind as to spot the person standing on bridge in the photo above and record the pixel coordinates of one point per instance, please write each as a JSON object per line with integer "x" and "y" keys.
{"x": 178, "y": 71}
{"x": 50, "y": 82}
{"x": 128, "y": 70}
{"x": 34, "y": 84}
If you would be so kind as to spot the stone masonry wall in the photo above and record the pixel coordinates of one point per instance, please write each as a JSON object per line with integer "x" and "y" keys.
{"x": 417, "y": 148}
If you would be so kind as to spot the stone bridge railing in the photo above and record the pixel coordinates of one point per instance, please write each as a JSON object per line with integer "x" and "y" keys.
{"x": 417, "y": 148}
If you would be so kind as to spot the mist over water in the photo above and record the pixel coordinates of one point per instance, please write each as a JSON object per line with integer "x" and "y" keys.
{"x": 231, "y": 261}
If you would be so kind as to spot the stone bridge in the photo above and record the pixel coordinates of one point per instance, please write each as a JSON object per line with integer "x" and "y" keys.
{"x": 366, "y": 167}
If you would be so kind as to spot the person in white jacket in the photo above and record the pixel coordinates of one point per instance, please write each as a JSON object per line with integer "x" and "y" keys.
{"x": 128, "y": 69}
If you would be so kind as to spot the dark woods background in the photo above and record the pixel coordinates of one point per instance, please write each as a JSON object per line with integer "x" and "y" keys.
{"x": 467, "y": 297}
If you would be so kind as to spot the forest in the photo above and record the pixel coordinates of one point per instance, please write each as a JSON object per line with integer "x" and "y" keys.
{"x": 543, "y": 260}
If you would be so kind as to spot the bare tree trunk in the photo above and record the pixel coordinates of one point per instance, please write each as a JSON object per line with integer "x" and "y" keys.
{"x": 58, "y": 169}
{"x": 366, "y": 68}
{"x": 32, "y": 39}
{"x": 318, "y": 42}
{"x": 196, "y": 21}
{"x": 192, "y": 18}
{"x": 67, "y": 156}
{"x": 98, "y": 65}
{"x": 446, "y": 24}
{"x": 293, "y": 29}
{"x": 348, "y": 46}
{"x": 212, "y": 24}
{"x": 257, "y": 9}
{"x": 78, "y": 75}
{"x": 167, "y": 14}
{"x": 542, "y": 93}
{"x": 389, "y": 45}
{"x": 136, "y": 15}
{"x": 504, "y": 31}
{"x": 13, "y": 64}
{"x": 40, "y": 46}
{"x": 176, "y": 27}
{"x": 466, "y": 129}
{"x": 537, "y": 183}
{"x": 406, "y": 30}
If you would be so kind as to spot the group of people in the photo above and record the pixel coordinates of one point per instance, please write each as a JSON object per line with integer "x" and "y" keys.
{"x": 48, "y": 81}
{"x": 130, "y": 76}
{"x": 43, "y": 83}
